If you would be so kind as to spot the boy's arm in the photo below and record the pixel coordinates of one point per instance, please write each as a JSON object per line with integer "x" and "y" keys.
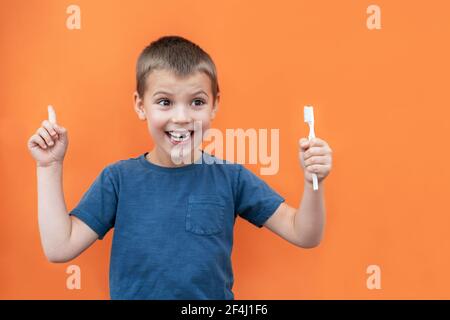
{"x": 304, "y": 226}
{"x": 63, "y": 237}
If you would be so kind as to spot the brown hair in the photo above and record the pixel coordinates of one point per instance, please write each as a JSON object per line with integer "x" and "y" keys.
{"x": 178, "y": 55}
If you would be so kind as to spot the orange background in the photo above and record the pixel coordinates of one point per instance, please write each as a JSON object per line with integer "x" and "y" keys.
{"x": 381, "y": 102}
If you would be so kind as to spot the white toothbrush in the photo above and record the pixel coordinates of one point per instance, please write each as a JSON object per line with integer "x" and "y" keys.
{"x": 308, "y": 113}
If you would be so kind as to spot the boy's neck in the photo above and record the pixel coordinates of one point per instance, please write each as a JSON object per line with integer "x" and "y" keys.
{"x": 164, "y": 160}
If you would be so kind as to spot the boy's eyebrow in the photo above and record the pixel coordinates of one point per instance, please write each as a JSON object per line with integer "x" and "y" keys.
{"x": 163, "y": 92}
{"x": 200, "y": 91}
{"x": 195, "y": 93}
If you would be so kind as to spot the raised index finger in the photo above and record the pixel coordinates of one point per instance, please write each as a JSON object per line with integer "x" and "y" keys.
{"x": 51, "y": 115}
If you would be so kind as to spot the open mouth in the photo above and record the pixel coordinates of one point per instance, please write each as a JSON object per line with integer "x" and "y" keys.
{"x": 177, "y": 137}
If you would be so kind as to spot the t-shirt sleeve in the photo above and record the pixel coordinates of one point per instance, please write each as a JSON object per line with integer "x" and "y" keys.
{"x": 97, "y": 207}
{"x": 256, "y": 201}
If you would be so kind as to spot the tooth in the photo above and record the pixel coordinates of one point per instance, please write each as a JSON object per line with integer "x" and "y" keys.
{"x": 180, "y": 136}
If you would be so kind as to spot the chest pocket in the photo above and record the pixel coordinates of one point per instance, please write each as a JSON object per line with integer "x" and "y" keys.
{"x": 205, "y": 215}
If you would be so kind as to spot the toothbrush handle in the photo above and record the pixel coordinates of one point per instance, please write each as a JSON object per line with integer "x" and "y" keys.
{"x": 314, "y": 176}
{"x": 315, "y": 182}
{"x": 311, "y": 132}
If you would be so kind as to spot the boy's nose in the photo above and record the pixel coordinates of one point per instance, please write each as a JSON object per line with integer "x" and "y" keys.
{"x": 181, "y": 115}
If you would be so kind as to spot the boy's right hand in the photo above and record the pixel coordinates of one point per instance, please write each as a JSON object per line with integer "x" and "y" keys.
{"x": 49, "y": 144}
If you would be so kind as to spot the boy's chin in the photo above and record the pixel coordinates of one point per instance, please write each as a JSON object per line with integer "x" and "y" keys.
{"x": 182, "y": 155}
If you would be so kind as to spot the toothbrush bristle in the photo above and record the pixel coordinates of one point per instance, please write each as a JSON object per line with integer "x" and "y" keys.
{"x": 308, "y": 113}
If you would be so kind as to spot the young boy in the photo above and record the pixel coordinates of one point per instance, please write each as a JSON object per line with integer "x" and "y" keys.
{"x": 173, "y": 222}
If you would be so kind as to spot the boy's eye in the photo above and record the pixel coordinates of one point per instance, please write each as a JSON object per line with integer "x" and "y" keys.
{"x": 198, "y": 102}
{"x": 164, "y": 102}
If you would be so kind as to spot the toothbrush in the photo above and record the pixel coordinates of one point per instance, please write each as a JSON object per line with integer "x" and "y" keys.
{"x": 308, "y": 113}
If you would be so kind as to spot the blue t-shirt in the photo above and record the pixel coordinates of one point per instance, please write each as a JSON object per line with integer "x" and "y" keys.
{"x": 173, "y": 227}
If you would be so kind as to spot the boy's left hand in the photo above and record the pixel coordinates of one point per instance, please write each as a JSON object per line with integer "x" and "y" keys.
{"x": 315, "y": 156}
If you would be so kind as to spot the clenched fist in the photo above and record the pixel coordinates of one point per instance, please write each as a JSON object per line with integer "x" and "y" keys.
{"x": 315, "y": 157}
{"x": 49, "y": 144}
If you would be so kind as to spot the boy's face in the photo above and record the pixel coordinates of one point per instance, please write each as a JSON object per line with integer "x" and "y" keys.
{"x": 171, "y": 105}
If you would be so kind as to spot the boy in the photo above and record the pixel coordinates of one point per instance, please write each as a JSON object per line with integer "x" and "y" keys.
{"x": 173, "y": 221}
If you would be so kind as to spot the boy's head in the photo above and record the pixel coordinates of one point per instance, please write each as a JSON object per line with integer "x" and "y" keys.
{"x": 176, "y": 87}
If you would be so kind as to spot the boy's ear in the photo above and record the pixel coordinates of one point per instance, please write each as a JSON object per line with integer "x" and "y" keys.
{"x": 139, "y": 106}
{"x": 215, "y": 107}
